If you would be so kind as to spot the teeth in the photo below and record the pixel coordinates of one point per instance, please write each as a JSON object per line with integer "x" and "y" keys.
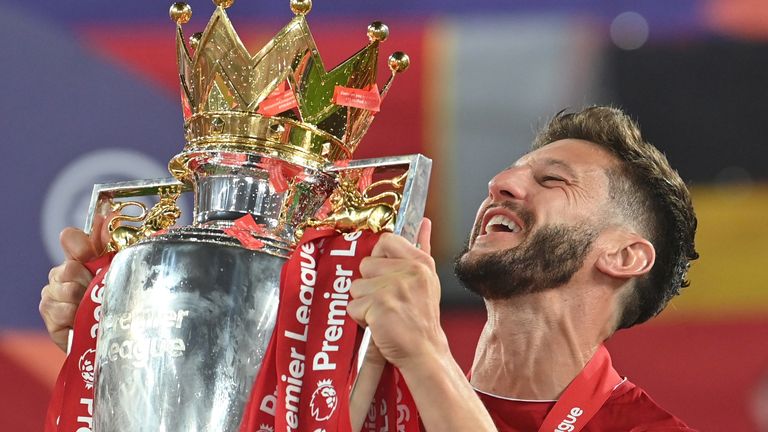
{"x": 502, "y": 220}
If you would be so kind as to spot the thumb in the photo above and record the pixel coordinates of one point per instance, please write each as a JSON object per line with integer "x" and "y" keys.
{"x": 425, "y": 235}
{"x": 77, "y": 245}
{"x": 100, "y": 236}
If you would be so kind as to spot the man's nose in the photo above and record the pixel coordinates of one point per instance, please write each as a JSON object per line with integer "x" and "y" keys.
{"x": 508, "y": 184}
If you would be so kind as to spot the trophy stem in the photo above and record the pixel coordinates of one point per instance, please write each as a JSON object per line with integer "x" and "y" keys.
{"x": 280, "y": 195}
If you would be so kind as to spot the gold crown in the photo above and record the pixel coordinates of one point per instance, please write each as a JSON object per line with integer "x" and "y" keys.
{"x": 280, "y": 101}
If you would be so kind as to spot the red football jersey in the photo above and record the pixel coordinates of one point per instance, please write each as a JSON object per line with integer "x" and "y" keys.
{"x": 628, "y": 409}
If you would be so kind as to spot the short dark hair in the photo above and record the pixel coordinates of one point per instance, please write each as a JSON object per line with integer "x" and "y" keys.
{"x": 646, "y": 190}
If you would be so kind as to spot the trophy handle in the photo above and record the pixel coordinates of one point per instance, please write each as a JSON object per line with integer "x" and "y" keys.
{"x": 103, "y": 194}
{"x": 407, "y": 223}
{"x": 102, "y": 202}
{"x": 414, "y": 196}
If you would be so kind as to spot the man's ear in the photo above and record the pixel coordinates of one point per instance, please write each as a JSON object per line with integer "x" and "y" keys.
{"x": 628, "y": 256}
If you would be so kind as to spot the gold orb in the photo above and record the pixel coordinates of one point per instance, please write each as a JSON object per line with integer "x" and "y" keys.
{"x": 301, "y": 7}
{"x": 399, "y": 61}
{"x": 223, "y": 3}
{"x": 194, "y": 40}
{"x": 378, "y": 31}
{"x": 180, "y": 12}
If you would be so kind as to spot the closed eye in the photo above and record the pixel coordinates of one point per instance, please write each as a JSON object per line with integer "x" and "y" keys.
{"x": 549, "y": 178}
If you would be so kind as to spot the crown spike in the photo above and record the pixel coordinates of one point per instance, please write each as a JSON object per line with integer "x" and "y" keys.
{"x": 398, "y": 62}
{"x": 378, "y": 31}
{"x": 223, "y": 3}
{"x": 301, "y": 7}
{"x": 180, "y": 13}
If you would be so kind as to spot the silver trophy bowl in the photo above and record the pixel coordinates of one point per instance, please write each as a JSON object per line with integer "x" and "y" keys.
{"x": 187, "y": 315}
{"x": 183, "y": 337}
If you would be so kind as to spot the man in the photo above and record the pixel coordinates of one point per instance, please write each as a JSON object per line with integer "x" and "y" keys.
{"x": 590, "y": 232}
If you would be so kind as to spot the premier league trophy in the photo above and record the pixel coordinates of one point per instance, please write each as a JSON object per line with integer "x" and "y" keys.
{"x": 188, "y": 312}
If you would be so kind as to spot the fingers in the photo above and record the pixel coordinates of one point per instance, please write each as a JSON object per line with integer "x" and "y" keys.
{"x": 58, "y": 317}
{"x": 394, "y": 246}
{"x": 358, "y": 308}
{"x": 100, "y": 236}
{"x": 59, "y": 299}
{"x": 77, "y": 245}
{"x": 67, "y": 283}
{"x": 66, "y": 292}
{"x": 371, "y": 267}
{"x": 425, "y": 234}
{"x": 70, "y": 271}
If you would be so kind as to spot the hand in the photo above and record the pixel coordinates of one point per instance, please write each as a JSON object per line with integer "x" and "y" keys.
{"x": 398, "y": 298}
{"x": 67, "y": 282}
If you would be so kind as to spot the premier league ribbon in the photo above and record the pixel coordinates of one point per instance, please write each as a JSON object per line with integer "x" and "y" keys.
{"x": 393, "y": 408}
{"x": 71, "y": 406}
{"x": 584, "y": 396}
{"x": 305, "y": 379}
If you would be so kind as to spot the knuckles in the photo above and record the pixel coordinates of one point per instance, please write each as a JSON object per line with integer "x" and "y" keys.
{"x": 56, "y": 314}
{"x": 53, "y": 274}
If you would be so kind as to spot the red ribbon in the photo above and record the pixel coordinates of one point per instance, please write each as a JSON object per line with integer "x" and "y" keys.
{"x": 393, "y": 408}
{"x": 280, "y": 100}
{"x": 71, "y": 405}
{"x": 245, "y": 229}
{"x": 280, "y": 173}
{"x": 367, "y": 98}
{"x": 307, "y": 374}
{"x": 584, "y": 396}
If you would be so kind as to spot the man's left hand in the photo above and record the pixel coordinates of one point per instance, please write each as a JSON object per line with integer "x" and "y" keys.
{"x": 398, "y": 298}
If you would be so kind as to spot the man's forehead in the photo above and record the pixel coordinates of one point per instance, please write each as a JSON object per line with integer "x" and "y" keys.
{"x": 571, "y": 154}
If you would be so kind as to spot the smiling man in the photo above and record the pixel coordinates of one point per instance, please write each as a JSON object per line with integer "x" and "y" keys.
{"x": 590, "y": 232}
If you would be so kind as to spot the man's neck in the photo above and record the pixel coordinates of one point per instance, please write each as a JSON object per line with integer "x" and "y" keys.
{"x": 533, "y": 346}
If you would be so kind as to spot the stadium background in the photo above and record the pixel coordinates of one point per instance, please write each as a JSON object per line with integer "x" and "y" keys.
{"x": 89, "y": 94}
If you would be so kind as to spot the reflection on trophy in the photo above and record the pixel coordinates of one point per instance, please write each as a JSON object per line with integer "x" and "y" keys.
{"x": 189, "y": 311}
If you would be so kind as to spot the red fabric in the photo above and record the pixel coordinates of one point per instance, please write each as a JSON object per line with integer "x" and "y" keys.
{"x": 280, "y": 100}
{"x": 584, "y": 396}
{"x": 71, "y": 406}
{"x": 245, "y": 229}
{"x": 308, "y": 370}
{"x": 629, "y": 409}
{"x": 392, "y": 408}
{"x": 367, "y": 98}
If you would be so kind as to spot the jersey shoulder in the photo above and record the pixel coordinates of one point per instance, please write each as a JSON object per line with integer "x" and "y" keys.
{"x": 631, "y": 409}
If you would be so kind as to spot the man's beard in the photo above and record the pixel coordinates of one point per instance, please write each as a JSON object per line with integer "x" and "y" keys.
{"x": 547, "y": 259}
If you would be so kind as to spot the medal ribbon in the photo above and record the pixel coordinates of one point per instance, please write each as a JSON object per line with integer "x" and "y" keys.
{"x": 71, "y": 405}
{"x": 584, "y": 396}
{"x": 309, "y": 368}
{"x": 393, "y": 408}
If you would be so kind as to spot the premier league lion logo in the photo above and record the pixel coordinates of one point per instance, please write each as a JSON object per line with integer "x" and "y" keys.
{"x": 265, "y": 428}
{"x": 324, "y": 400}
{"x": 87, "y": 368}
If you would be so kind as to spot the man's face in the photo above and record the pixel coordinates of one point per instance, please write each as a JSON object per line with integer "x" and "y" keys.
{"x": 537, "y": 224}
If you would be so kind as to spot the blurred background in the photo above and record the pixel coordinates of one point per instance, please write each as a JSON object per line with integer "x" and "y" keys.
{"x": 90, "y": 94}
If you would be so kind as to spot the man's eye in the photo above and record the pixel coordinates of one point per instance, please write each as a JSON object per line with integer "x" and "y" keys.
{"x": 551, "y": 179}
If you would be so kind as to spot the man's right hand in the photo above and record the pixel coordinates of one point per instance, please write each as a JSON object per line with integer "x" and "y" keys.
{"x": 67, "y": 282}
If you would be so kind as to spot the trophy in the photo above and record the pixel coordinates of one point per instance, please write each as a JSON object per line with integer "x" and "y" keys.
{"x": 189, "y": 311}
